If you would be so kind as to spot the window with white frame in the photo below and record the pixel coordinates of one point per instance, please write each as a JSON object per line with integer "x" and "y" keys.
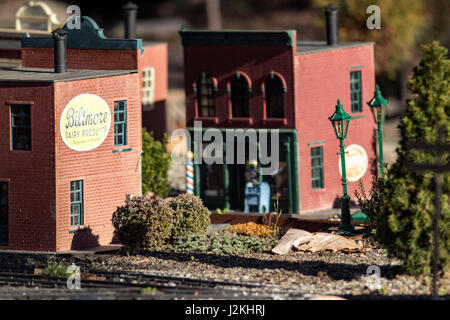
{"x": 148, "y": 88}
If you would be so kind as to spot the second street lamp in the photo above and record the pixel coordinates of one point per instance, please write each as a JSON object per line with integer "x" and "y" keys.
{"x": 378, "y": 106}
{"x": 340, "y": 121}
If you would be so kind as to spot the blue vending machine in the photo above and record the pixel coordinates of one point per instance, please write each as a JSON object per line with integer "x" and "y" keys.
{"x": 257, "y": 197}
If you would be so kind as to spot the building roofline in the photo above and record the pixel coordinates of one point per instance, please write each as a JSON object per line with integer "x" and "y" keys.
{"x": 237, "y": 37}
{"x": 311, "y": 47}
{"x": 45, "y": 75}
{"x": 89, "y": 36}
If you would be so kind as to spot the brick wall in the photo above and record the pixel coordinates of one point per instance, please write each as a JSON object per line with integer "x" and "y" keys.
{"x": 321, "y": 79}
{"x": 39, "y": 190}
{"x": 31, "y": 174}
{"x": 155, "y": 119}
{"x": 222, "y": 62}
{"x": 107, "y": 176}
{"x": 156, "y": 56}
{"x": 99, "y": 59}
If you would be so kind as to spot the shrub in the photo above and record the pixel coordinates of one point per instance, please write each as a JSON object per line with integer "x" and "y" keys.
{"x": 191, "y": 243}
{"x": 155, "y": 165}
{"x": 143, "y": 222}
{"x": 370, "y": 203}
{"x": 190, "y": 215}
{"x": 235, "y": 244}
{"x": 252, "y": 229}
{"x": 405, "y": 220}
{"x": 55, "y": 268}
{"x": 221, "y": 243}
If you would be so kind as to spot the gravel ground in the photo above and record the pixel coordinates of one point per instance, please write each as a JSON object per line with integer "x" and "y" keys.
{"x": 303, "y": 275}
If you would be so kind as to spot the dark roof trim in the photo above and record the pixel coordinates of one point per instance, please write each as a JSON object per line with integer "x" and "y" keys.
{"x": 89, "y": 36}
{"x": 237, "y": 37}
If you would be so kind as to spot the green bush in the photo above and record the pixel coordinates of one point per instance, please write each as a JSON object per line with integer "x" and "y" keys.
{"x": 221, "y": 243}
{"x": 370, "y": 203}
{"x": 237, "y": 244}
{"x": 407, "y": 206}
{"x": 55, "y": 268}
{"x": 155, "y": 165}
{"x": 191, "y": 243}
{"x": 190, "y": 215}
{"x": 143, "y": 223}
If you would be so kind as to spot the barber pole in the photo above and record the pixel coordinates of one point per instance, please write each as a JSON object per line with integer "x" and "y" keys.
{"x": 254, "y": 173}
{"x": 189, "y": 174}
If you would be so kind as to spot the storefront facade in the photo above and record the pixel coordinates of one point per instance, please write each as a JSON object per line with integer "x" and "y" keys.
{"x": 266, "y": 80}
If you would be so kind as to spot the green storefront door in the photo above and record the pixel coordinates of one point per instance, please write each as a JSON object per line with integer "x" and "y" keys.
{"x": 223, "y": 185}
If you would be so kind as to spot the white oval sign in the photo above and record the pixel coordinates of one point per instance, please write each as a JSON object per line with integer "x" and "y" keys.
{"x": 356, "y": 162}
{"x": 85, "y": 122}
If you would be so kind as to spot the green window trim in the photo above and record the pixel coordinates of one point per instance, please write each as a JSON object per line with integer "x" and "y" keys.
{"x": 317, "y": 168}
{"x": 21, "y": 127}
{"x": 122, "y": 150}
{"x": 120, "y": 123}
{"x": 356, "y": 91}
{"x": 76, "y": 203}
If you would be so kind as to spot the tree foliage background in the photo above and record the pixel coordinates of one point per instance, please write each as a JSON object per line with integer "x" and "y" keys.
{"x": 402, "y": 23}
{"x": 155, "y": 165}
{"x": 407, "y": 206}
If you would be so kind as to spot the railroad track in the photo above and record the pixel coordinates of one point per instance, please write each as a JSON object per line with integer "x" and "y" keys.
{"x": 129, "y": 284}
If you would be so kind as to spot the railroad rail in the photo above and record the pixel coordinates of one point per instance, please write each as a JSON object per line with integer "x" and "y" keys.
{"x": 127, "y": 285}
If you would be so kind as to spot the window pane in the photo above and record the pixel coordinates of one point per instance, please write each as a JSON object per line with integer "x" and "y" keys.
{"x": 274, "y": 97}
{"x": 205, "y": 96}
{"x": 21, "y": 127}
{"x": 76, "y": 202}
{"x": 317, "y": 167}
{"x": 239, "y": 97}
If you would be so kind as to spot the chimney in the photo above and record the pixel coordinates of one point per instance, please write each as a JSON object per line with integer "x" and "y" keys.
{"x": 130, "y": 11}
{"x": 331, "y": 14}
{"x": 59, "y": 49}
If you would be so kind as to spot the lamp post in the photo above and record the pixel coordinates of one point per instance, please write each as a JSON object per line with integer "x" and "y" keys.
{"x": 378, "y": 106}
{"x": 340, "y": 121}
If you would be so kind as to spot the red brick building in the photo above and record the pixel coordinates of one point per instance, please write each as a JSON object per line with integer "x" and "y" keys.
{"x": 150, "y": 58}
{"x": 266, "y": 79}
{"x": 70, "y": 142}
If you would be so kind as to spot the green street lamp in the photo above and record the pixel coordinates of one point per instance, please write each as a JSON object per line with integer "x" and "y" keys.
{"x": 378, "y": 106}
{"x": 340, "y": 120}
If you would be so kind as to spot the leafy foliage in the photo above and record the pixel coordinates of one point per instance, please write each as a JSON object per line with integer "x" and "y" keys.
{"x": 401, "y": 22}
{"x": 252, "y": 229}
{"x": 222, "y": 243}
{"x": 55, "y": 268}
{"x": 404, "y": 224}
{"x": 191, "y": 243}
{"x": 236, "y": 244}
{"x": 191, "y": 216}
{"x": 370, "y": 203}
{"x": 155, "y": 165}
{"x": 143, "y": 222}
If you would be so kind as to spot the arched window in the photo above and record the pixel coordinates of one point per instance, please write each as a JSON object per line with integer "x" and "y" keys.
{"x": 205, "y": 96}
{"x": 239, "y": 96}
{"x": 274, "y": 97}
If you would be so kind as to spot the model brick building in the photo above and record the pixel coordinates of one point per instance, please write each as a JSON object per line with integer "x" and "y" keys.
{"x": 266, "y": 79}
{"x": 149, "y": 58}
{"x": 70, "y": 142}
